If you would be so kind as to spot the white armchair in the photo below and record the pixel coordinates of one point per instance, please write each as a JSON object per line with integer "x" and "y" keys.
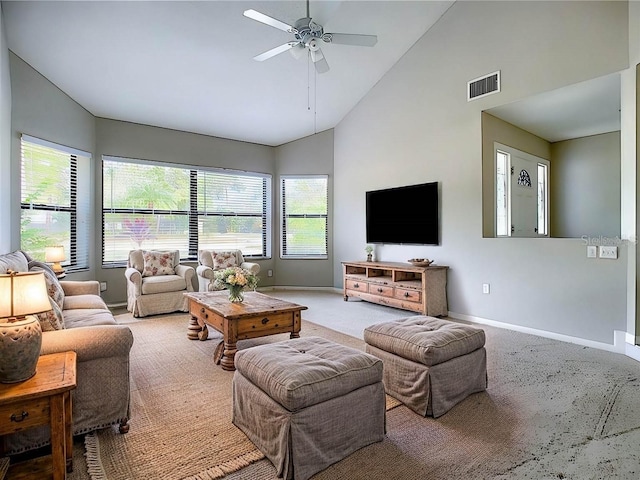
{"x": 211, "y": 260}
{"x": 156, "y": 282}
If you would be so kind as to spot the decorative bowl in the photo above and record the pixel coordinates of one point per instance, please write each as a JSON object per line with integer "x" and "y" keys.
{"x": 420, "y": 262}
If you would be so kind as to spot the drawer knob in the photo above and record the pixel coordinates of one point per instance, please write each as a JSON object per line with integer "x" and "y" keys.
{"x": 356, "y": 285}
{"x": 16, "y": 418}
{"x": 379, "y": 290}
{"x": 265, "y": 321}
{"x": 202, "y": 310}
{"x": 406, "y": 294}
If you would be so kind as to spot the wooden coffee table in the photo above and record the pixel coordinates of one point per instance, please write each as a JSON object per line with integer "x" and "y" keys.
{"x": 258, "y": 316}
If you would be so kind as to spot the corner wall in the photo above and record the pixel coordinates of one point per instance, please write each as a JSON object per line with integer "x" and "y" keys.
{"x": 311, "y": 155}
{"x": 5, "y": 141}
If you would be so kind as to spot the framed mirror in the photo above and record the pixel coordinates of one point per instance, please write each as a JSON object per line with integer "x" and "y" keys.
{"x": 575, "y": 132}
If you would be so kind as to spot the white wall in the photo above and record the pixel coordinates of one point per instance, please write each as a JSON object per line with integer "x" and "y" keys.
{"x": 429, "y": 132}
{"x": 585, "y": 186}
{"x": 311, "y": 155}
{"x": 42, "y": 110}
{"x": 5, "y": 141}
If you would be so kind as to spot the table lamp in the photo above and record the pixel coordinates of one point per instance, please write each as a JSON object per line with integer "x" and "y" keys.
{"x": 21, "y": 295}
{"x": 55, "y": 255}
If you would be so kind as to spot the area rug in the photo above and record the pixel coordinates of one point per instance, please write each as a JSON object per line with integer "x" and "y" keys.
{"x": 180, "y": 424}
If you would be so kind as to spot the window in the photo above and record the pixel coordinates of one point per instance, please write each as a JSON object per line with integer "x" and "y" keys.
{"x": 522, "y": 197}
{"x": 304, "y": 201}
{"x": 54, "y": 201}
{"x": 152, "y": 205}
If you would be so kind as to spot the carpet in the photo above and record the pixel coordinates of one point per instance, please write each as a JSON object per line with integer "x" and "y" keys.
{"x": 552, "y": 410}
{"x": 181, "y": 407}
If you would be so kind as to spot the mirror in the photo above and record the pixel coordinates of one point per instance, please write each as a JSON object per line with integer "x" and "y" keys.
{"x": 577, "y": 130}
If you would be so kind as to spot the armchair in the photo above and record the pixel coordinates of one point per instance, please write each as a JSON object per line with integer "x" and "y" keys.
{"x": 211, "y": 260}
{"x": 156, "y": 282}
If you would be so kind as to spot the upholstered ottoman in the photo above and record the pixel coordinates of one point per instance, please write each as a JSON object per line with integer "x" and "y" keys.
{"x": 307, "y": 403}
{"x": 429, "y": 364}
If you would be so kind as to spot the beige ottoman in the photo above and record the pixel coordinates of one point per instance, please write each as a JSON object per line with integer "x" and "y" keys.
{"x": 307, "y": 403}
{"x": 429, "y": 364}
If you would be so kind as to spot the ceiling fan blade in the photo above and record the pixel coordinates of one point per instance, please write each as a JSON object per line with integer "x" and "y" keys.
{"x": 275, "y": 51}
{"x": 262, "y": 18}
{"x": 351, "y": 39}
{"x": 319, "y": 61}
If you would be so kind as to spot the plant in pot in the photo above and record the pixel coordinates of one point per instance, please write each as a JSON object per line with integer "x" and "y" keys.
{"x": 369, "y": 250}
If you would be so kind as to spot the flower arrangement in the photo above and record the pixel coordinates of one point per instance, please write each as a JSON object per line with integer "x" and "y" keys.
{"x": 235, "y": 279}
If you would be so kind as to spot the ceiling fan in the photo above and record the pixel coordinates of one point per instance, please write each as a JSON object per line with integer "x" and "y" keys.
{"x": 307, "y": 35}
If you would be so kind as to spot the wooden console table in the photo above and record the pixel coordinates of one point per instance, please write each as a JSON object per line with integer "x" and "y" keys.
{"x": 400, "y": 285}
{"x": 44, "y": 399}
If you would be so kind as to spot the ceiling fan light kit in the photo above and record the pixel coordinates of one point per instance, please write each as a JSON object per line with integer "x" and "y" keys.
{"x": 308, "y": 35}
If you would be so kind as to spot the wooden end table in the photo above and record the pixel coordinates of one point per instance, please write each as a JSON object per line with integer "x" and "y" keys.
{"x": 258, "y": 316}
{"x": 44, "y": 399}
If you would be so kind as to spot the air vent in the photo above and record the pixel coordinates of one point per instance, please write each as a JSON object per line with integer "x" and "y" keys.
{"x": 483, "y": 86}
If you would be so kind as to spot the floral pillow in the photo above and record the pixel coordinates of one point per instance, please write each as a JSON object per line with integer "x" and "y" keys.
{"x": 51, "y": 319}
{"x": 157, "y": 263}
{"x": 222, "y": 260}
{"x": 54, "y": 289}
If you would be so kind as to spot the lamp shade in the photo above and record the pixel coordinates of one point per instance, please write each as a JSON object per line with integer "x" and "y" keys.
{"x": 54, "y": 254}
{"x": 23, "y": 294}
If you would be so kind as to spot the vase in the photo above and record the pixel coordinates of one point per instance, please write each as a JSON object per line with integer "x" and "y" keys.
{"x": 235, "y": 294}
{"x": 20, "y": 344}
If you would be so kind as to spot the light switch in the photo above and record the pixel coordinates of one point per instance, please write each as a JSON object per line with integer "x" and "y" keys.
{"x": 592, "y": 251}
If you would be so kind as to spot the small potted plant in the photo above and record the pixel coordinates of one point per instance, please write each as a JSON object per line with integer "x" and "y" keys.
{"x": 369, "y": 250}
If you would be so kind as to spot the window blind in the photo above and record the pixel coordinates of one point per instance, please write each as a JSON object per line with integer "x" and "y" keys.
{"x": 304, "y": 201}
{"x": 55, "y": 200}
{"x": 151, "y": 205}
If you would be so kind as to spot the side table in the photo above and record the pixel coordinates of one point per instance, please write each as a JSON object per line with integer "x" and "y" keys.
{"x": 44, "y": 399}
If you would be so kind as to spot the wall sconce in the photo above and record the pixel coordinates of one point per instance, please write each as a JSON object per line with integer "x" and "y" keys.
{"x": 55, "y": 255}
{"x": 21, "y": 295}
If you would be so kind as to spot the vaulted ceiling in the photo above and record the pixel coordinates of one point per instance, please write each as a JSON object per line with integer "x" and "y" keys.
{"x": 189, "y": 65}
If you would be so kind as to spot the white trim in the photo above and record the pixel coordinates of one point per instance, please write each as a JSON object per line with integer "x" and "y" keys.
{"x": 630, "y": 338}
{"x": 632, "y": 351}
{"x": 618, "y": 346}
{"x": 293, "y": 287}
{"x": 56, "y": 146}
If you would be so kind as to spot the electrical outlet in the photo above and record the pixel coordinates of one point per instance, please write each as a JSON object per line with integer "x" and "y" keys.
{"x": 486, "y": 288}
{"x": 103, "y": 286}
{"x": 608, "y": 252}
{"x": 269, "y": 273}
{"x": 592, "y": 251}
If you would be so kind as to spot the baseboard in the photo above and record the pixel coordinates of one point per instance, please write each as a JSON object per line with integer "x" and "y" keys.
{"x": 619, "y": 345}
{"x": 290, "y": 287}
{"x": 632, "y": 351}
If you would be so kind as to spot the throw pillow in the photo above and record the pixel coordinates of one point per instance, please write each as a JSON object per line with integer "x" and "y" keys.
{"x": 222, "y": 260}
{"x": 157, "y": 263}
{"x": 54, "y": 289}
{"x": 51, "y": 319}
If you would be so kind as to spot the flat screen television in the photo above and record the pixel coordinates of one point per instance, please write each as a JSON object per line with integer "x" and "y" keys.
{"x": 403, "y": 215}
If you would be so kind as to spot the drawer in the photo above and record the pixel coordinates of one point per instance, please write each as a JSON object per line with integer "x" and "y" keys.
{"x": 380, "y": 290}
{"x": 205, "y": 316}
{"x": 408, "y": 295}
{"x": 22, "y": 415}
{"x": 264, "y": 323}
{"x": 356, "y": 285}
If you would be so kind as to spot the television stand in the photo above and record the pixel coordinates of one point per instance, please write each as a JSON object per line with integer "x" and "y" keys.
{"x": 400, "y": 285}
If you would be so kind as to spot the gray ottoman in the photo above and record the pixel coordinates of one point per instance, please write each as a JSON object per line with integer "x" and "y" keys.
{"x": 429, "y": 364}
{"x": 307, "y": 403}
